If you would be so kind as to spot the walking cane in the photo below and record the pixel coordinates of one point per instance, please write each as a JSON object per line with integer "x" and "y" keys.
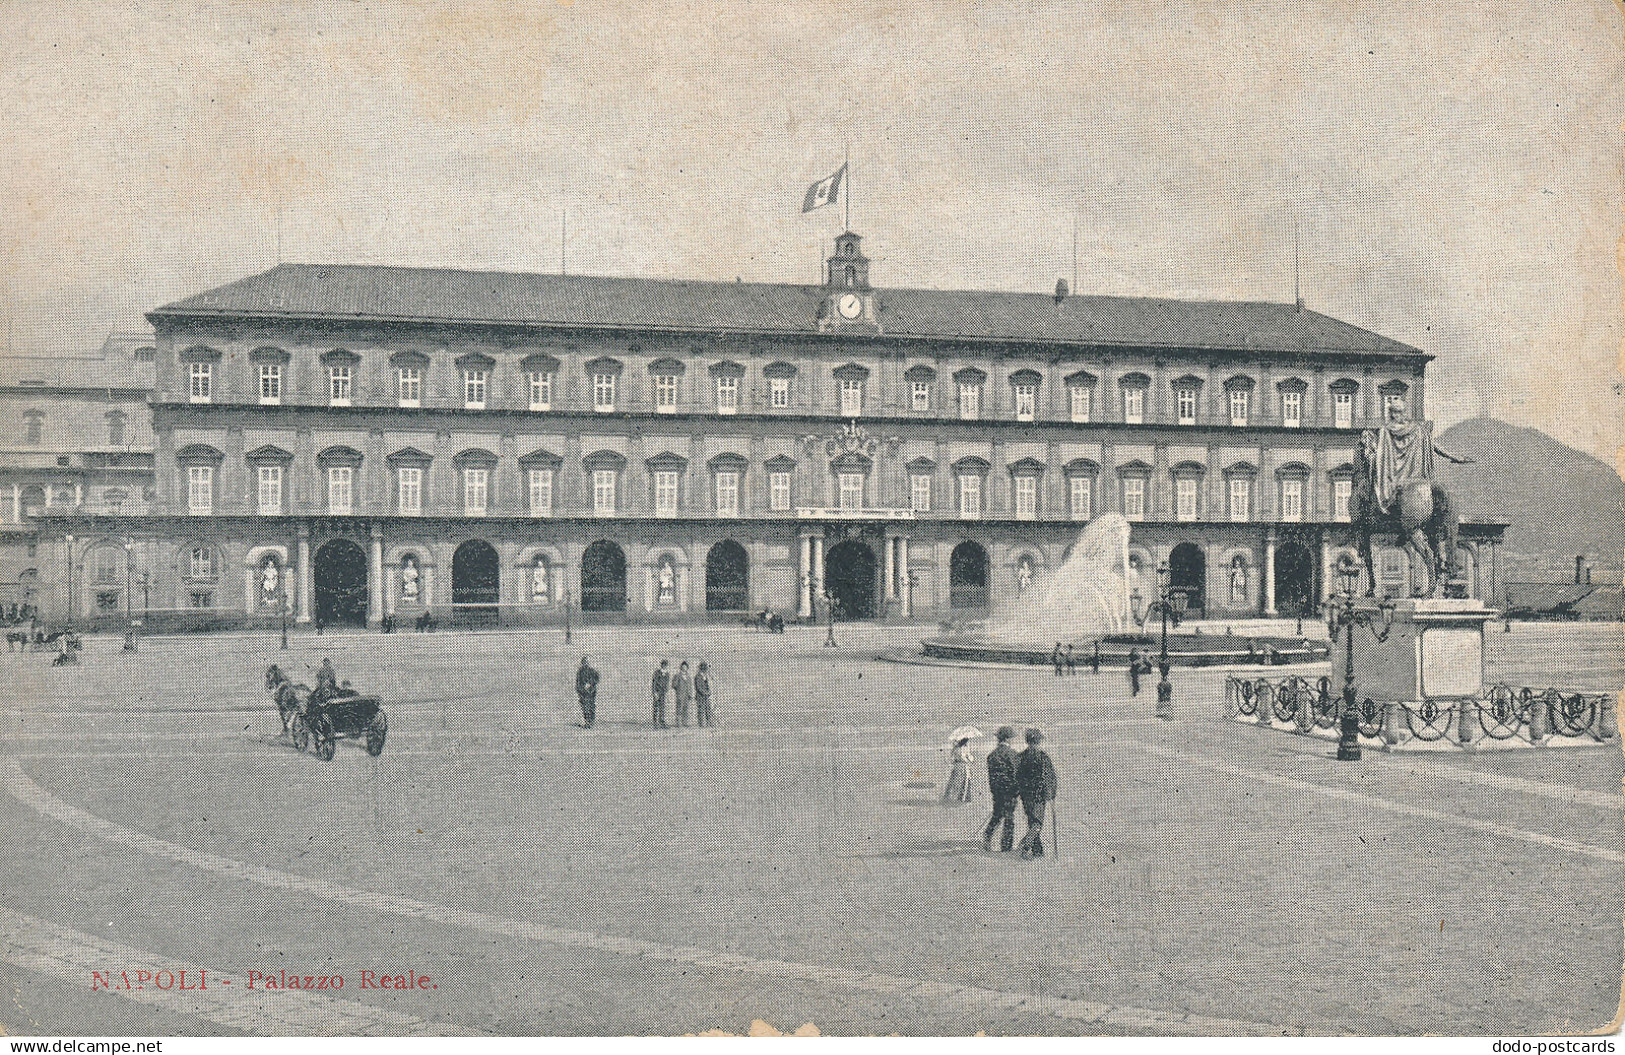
{"x": 1055, "y": 829}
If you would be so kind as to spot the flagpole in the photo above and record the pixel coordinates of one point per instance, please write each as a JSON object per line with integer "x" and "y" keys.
{"x": 847, "y": 164}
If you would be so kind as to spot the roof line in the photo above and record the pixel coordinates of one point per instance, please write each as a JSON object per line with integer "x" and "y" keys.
{"x": 1397, "y": 348}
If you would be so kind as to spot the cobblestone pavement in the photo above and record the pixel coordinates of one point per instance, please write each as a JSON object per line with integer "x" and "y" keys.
{"x": 792, "y": 864}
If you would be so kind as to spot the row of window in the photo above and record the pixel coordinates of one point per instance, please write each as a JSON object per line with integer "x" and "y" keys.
{"x": 34, "y": 427}
{"x": 666, "y": 489}
{"x": 852, "y": 381}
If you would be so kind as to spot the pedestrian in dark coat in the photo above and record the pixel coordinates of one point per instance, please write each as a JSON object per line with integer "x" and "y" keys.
{"x": 1001, "y": 781}
{"x": 587, "y": 692}
{"x": 657, "y": 693}
{"x": 682, "y": 689}
{"x": 1055, "y": 658}
{"x": 702, "y": 694}
{"x": 1035, "y": 781}
{"x": 1071, "y": 661}
{"x": 1094, "y": 659}
{"x": 1134, "y": 672}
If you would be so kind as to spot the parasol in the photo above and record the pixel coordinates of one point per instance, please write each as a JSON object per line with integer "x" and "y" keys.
{"x": 964, "y": 732}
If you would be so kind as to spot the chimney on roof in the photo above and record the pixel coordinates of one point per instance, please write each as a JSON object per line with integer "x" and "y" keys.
{"x": 1061, "y": 290}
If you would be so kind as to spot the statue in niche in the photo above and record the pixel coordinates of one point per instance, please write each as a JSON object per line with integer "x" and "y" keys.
{"x": 539, "y": 592}
{"x": 409, "y": 579}
{"x": 1238, "y": 581}
{"x": 666, "y": 580}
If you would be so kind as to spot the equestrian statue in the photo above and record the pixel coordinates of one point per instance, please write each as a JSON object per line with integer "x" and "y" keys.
{"x": 1394, "y": 493}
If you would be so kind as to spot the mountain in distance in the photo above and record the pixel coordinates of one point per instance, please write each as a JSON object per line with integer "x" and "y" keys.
{"x": 1558, "y": 503}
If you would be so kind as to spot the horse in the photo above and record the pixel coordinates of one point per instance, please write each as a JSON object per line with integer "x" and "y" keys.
{"x": 1423, "y": 520}
{"x": 288, "y": 696}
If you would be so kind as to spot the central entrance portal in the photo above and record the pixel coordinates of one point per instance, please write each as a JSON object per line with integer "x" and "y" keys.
{"x": 475, "y": 584}
{"x": 340, "y": 575}
{"x": 849, "y": 577}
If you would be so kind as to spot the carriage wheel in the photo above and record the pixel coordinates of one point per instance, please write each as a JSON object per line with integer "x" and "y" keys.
{"x": 376, "y": 731}
{"x": 325, "y": 742}
{"x": 301, "y": 733}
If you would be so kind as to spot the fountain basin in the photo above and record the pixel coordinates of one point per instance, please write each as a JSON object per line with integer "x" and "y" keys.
{"x": 1184, "y": 650}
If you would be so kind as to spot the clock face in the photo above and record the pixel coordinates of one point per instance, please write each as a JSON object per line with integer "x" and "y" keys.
{"x": 850, "y": 306}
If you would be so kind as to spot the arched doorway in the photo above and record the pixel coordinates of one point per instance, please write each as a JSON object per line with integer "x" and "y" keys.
{"x": 475, "y": 583}
{"x": 1294, "y": 580}
{"x": 1187, "y": 570}
{"x": 967, "y": 576}
{"x": 340, "y": 573}
{"x": 603, "y": 578}
{"x": 849, "y": 577}
{"x": 727, "y": 578}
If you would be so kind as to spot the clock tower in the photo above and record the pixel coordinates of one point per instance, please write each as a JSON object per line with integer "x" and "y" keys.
{"x": 849, "y": 302}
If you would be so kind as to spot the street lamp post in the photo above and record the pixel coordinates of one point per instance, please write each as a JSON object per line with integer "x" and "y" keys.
{"x": 129, "y": 596}
{"x": 69, "y": 545}
{"x": 1341, "y": 615}
{"x": 566, "y": 615}
{"x": 282, "y": 610}
{"x": 1170, "y": 602}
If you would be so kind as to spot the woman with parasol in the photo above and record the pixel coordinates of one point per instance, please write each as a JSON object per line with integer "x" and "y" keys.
{"x": 958, "y": 791}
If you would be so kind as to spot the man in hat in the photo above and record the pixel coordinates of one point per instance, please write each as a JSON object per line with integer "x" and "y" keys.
{"x": 657, "y": 693}
{"x": 1001, "y": 781}
{"x": 1035, "y": 782}
{"x": 702, "y": 694}
{"x": 587, "y": 692}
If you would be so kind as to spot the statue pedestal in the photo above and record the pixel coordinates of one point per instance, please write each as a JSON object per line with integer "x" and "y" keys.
{"x": 1434, "y": 648}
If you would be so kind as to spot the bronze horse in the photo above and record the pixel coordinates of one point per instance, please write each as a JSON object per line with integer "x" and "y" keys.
{"x": 1423, "y": 520}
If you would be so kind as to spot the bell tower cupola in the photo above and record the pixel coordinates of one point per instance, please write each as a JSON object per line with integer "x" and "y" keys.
{"x": 848, "y": 267}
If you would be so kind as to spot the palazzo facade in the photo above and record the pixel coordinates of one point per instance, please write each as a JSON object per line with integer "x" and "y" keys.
{"x": 343, "y": 444}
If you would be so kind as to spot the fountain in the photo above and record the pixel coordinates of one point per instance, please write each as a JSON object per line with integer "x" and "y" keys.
{"x": 1086, "y": 603}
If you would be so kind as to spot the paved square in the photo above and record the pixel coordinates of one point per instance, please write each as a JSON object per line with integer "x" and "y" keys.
{"x": 792, "y": 864}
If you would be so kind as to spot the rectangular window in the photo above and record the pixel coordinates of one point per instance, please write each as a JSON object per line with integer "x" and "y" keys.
{"x": 1134, "y": 406}
{"x": 970, "y": 401}
{"x": 1292, "y": 500}
{"x": 778, "y": 492}
{"x": 919, "y": 492}
{"x": 338, "y": 386}
{"x": 200, "y": 489}
{"x": 1026, "y": 497}
{"x": 340, "y": 489}
{"x": 409, "y": 488}
{"x": 1241, "y": 499}
{"x": 851, "y": 397}
{"x": 727, "y": 494}
{"x": 1292, "y": 409}
{"x": 270, "y": 489}
{"x": 1082, "y": 398}
{"x": 665, "y": 492}
{"x": 603, "y": 492}
{"x": 970, "y": 495}
{"x": 666, "y": 393}
{"x": 202, "y": 378}
{"x": 270, "y": 384}
{"x": 541, "y": 391}
{"x": 919, "y": 395}
{"x": 200, "y": 565}
{"x": 1342, "y": 491}
{"x": 1240, "y": 399}
{"x": 1082, "y": 497}
{"x": 1389, "y": 401}
{"x": 727, "y": 395}
{"x": 115, "y": 430}
{"x": 473, "y": 389}
{"x": 1187, "y": 406}
{"x": 476, "y": 485}
{"x": 851, "y": 491}
{"x": 1185, "y": 498}
{"x": 1134, "y": 497}
{"x": 603, "y": 392}
{"x": 201, "y": 598}
{"x": 107, "y": 565}
{"x": 1026, "y": 402}
{"x": 1343, "y": 409}
{"x": 409, "y": 380}
{"x": 33, "y": 427}
{"x": 779, "y": 390}
{"x": 541, "y": 492}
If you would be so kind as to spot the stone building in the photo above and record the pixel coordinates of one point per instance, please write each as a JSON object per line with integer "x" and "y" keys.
{"x": 349, "y": 443}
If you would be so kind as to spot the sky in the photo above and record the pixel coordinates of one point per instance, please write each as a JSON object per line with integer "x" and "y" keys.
{"x": 1452, "y": 171}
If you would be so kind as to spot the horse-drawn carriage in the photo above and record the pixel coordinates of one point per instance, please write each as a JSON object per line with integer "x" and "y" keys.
{"x": 313, "y": 717}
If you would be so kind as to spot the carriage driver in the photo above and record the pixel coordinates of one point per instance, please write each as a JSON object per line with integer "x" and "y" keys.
{"x": 327, "y": 682}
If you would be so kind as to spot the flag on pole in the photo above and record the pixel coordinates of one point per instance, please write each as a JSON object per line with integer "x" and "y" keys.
{"x": 825, "y": 191}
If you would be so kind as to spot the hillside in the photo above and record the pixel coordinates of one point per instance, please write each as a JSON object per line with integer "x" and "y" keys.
{"x": 1559, "y": 502}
